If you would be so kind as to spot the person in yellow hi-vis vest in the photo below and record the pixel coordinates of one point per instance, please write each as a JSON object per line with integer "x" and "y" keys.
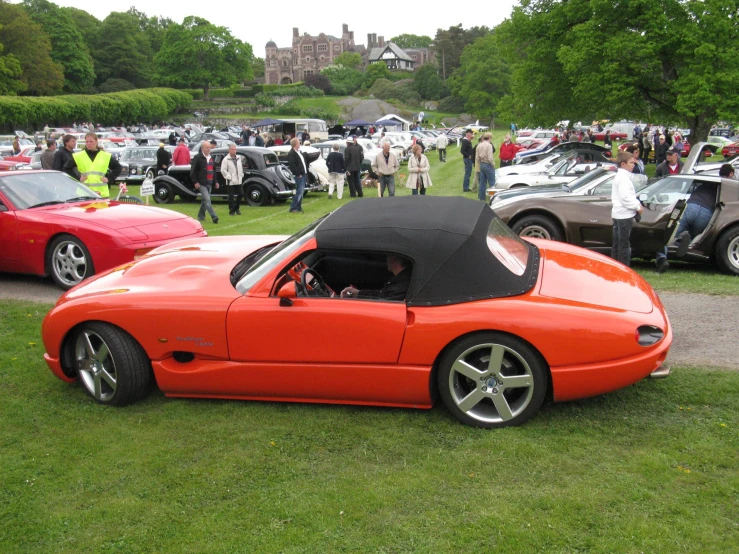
{"x": 93, "y": 167}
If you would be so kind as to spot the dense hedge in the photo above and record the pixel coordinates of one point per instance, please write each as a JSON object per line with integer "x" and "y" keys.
{"x": 141, "y": 105}
{"x": 196, "y": 93}
{"x": 311, "y": 112}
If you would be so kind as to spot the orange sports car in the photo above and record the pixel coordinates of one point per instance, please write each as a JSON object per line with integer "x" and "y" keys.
{"x": 406, "y": 299}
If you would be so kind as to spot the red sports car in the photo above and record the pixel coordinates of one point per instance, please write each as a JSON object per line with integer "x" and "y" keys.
{"x": 601, "y": 135}
{"x": 50, "y": 224}
{"x": 730, "y": 150}
{"x": 438, "y": 298}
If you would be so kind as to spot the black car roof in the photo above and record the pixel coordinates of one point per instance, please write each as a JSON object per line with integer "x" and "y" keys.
{"x": 446, "y": 238}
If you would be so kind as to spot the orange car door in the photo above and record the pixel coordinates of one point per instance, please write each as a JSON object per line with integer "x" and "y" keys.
{"x": 315, "y": 330}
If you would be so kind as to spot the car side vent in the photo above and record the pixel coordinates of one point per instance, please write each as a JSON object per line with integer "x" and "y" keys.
{"x": 183, "y": 357}
{"x": 647, "y": 335}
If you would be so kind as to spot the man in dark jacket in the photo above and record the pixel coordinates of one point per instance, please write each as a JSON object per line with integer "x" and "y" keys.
{"x": 336, "y": 171}
{"x": 298, "y": 167}
{"x": 203, "y": 177}
{"x": 164, "y": 158}
{"x": 660, "y": 150}
{"x": 671, "y": 166}
{"x": 353, "y": 156}
{"x": 468, "y": 156}
{"x": 394, "y": 289}
{"x": 64, "y": 155}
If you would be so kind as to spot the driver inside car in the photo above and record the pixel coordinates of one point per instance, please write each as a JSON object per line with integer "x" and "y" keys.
{"x": 394, "y": 289}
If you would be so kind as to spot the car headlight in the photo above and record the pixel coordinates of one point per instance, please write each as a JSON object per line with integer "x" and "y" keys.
{"x": 133, "y": 171}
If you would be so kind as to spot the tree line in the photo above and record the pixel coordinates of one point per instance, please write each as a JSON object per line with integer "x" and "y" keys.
{"x": 71, "y": 51}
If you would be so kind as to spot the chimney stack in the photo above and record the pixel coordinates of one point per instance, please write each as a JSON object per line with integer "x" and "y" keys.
{"x": 345, "y": 28}
{"x": 381, "y": 41}
{"x": 295, "y": 32}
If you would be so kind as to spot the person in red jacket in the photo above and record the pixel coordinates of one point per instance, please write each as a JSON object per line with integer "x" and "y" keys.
{"x": 181, "y": 155}
{"x": 507, "y": 152}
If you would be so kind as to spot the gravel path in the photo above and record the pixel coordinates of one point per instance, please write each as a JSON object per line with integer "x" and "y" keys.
{"x": 705, "y": 327}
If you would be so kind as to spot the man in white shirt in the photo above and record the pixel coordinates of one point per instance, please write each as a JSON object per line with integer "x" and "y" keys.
{"x": 625, "y": 206}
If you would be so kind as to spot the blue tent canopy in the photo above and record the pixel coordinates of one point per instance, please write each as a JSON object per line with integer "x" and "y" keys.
{"x": 388, "y": 122}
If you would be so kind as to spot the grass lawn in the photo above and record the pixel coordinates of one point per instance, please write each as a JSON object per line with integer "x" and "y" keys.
{"x": 651, "y": 468}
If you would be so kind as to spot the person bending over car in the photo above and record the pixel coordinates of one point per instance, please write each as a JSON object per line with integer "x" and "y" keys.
{"x": 395, "y": 289}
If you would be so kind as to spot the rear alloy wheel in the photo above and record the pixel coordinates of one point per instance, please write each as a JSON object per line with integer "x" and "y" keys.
{"x": 256, "y": 195}
{"x": 727, "y": 250}
{"x": 69, "y": 261}
{"x": 538, "y": 227}
{"x": 163, "y": 193}
{"x": 492, "y": 380}
{"x": 111, "y": 365}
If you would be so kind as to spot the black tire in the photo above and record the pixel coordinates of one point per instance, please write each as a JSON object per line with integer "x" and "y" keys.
{"x": 163, "y": 193}
{"x": 727, "y": 250}
{"x": 112, "y": 367}
{"x": 538, "y": 226}
{"x": 256, "y": 195}
{"x": 68, "y": 261}
{"x": 506, "y": 395}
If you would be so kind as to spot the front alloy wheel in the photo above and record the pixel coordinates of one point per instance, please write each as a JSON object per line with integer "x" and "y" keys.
{"x": 112, "y": 366}
{"x": 68, "y": 261}
{"x": 492, "y": 380}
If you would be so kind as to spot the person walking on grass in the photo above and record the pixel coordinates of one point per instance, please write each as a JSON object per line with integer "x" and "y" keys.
{"x": 336, "y": 172}
{"x": 418, "y": 172}
{"x": 203, "y": 177}
{"x": 386, "y": 165}
{"x": 484, "y": 155}
{"x": 468, "y": 156}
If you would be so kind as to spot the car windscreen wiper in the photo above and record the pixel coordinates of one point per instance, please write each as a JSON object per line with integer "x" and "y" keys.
{"x": 81, "y": 198}
{"x": 49, "y": 203}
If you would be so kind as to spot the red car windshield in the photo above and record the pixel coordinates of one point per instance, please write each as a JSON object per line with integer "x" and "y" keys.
{"x": 31, "y": 190}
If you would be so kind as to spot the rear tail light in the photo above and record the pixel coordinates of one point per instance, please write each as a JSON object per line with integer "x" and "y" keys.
{"x": 647, "y": 335}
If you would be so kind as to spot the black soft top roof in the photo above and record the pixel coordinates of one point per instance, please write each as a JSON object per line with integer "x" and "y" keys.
{"x": 446, "y": 238}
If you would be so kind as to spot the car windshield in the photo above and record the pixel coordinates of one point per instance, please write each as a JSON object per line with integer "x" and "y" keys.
{"x": 31, "y": 190}
{"x": 670, "y": 189}
{"x": 252, "y": 273}
{"x": 507, "y": 247}
{"x": 555, "y": 169}
{"x": 583, "y": 181}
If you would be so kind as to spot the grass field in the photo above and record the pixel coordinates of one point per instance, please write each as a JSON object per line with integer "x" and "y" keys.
{"x": 650, "y": 468}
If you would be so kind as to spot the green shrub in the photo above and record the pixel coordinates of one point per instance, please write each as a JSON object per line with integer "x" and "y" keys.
{"x": 296, "y": 89}
{"x": 196, "y": 93}
{"x": 265, "y": 100}
{"x": 451, "y": 104}
{"x": 107, "y": 109}
{"x": 244, "y": 93}
{"x": 115, "y": 85}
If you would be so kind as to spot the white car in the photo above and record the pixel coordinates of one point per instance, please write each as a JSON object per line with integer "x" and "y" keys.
{"x": 538, "y": 167}
{"x": 538, "y": 134}
{"x": 560, "y": 173}
{"x": 318, "y": 168}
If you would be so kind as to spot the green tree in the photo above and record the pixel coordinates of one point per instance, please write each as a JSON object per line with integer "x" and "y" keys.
{"x": 124, "y": 52}
{"x": 200, "y": 54}
{"x": 428, "y": 83}
{"x": 153, "y": 27}
{"x": 482, "y": 78}
{"x": 10, "y": 72}
{"x": 68, "y": 48}
{"x": 412, "y": 41}
{"x": 352, "y": 60}
{"x": 377, "y": 70}
{"x": 40, "y": 74}
{"x": 87, "y": 24}
{"x": 344, "y": 80}
{"x": 257, "y": 67}
{"x": 449, "y": 44}
{"x": 675, "y": 62}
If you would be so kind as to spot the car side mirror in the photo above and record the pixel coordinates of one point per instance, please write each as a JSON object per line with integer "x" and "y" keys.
{"x": 643, "y": 197}
{"x": 288, "y": 291}
{"x": 3, "y": 208}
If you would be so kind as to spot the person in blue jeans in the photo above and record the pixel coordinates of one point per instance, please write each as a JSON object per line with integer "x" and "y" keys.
{"x": 296, "y": 164}
{"x": 484, "y": 154}
{"x": 695, "y": 218}
{"x": 469, "y": 162}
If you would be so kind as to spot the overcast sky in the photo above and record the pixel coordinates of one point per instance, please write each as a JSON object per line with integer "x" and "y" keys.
{"x": 258, "y": 22}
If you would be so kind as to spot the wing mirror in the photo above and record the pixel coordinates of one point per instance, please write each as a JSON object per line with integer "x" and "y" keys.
{"x": 642, "y": 197}
{"x": 288, "y": 290}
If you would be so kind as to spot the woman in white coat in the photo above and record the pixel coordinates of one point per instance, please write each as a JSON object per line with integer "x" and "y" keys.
{"x": 418, "y": 171}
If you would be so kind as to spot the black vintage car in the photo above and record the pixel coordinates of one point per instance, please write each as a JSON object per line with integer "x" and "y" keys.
{"x": 266, "y": 180}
